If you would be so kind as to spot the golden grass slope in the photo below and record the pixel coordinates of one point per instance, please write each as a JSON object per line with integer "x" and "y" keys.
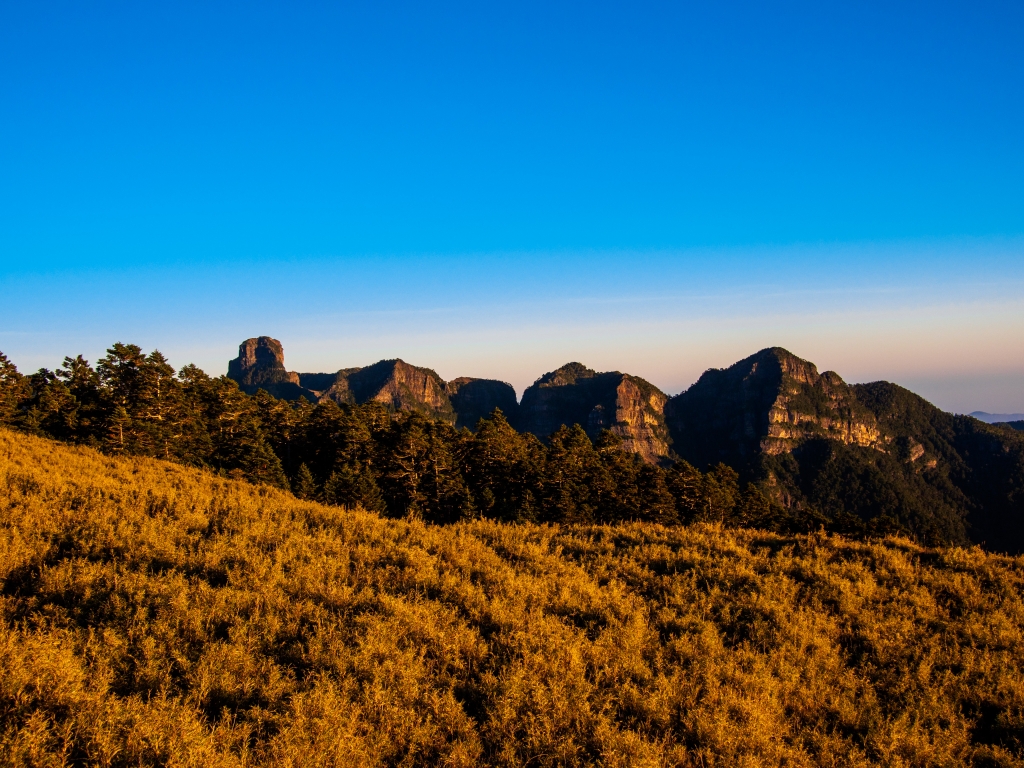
{"x": 157, "y": 615}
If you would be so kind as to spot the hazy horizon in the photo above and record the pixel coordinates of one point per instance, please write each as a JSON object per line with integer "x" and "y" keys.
{"x": 915, "y": 315}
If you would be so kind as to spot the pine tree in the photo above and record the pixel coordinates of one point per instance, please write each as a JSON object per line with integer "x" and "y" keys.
{"x": 12, "y": 391}
{"x": 574, "y": 480}
{"x": 347, "y": 487}
{"x": 119, "y": 377}
{"x": 157, "y": 407}
{"x": 260, "y": 464}
{"x": 84, "y": 385}
{"x": 304, "y": 486}
{"x": 52, "y": 410}
{"x": 118, "y": 431}
{"x": 503, "y": 468}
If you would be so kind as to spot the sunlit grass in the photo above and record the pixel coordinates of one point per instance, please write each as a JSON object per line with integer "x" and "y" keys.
{"x": 155, "y": 614}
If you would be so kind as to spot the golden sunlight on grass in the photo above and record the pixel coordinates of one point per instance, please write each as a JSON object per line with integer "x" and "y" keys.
{"x": 158, "y": 615}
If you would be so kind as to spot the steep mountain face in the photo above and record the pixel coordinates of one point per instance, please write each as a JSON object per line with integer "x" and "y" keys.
{"x": 768, "y": 403}
{"x": 395, "y": 383}
{"x": 866, "y": 451}
{"x": 260, "y": 365}
{"x": 626, "y": 405}
{"x": 475, "y": 399}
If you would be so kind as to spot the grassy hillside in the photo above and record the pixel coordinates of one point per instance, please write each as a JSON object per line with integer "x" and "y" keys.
{"x": 154, "y": 614}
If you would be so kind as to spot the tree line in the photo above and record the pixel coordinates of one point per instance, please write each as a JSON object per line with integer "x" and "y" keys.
{"x": 398, "y": 464}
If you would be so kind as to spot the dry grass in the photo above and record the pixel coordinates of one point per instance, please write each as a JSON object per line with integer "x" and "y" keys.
{"x": 154, "y": 614}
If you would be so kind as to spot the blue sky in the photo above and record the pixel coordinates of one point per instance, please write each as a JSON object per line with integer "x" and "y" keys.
{"x": 496, "y": 189}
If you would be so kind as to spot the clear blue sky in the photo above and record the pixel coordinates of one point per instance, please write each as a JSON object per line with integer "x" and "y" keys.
{"x": 495, "y": 189}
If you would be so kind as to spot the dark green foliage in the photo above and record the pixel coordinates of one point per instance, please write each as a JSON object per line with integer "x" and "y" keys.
{"x": 845, "y": 480}
{"x": 349, "y": 488}
{"x": 304, "y": 486}
{"x": 944, "y": 479}
{"x": 978, "y": 468}
{"x": 12, "y": 390}
{"x": 400, "y": 464}
{"x": 504, "y": 468}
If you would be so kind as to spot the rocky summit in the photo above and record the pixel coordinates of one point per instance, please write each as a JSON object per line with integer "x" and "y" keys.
{"x": 627, "y": 406}
{"x": 849, "y": 451}
{"x": 260, "y": 365}
{"x": 809, "y": 440}
{"x": 395, "y": 383}
{"x": 768, "y": 403}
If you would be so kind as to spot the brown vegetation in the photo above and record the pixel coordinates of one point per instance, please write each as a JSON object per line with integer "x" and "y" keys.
{"x": 157, "y": 614}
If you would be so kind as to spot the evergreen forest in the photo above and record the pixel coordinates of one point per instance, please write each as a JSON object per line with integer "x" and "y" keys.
{"x": 396, "y": 463}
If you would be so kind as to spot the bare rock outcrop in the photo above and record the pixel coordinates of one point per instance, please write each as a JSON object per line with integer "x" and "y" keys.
{"x": 394, "y": 383}
{"x": 627, "y": 406}
{"x": 768, "y": 403}
{"x": 260, "y": 365}
{"x": 399, "y": 386}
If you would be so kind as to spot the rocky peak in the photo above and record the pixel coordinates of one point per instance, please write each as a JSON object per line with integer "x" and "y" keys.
{"x": 626, "y": 405}
{"x": 395, "y": 383}
{"x": 403, "y": 387}
{"x": 567, "y": 375}
{"x": 767, "y": 403}
{"x": 260, "y": 365}
{"x": 260, "y": 360}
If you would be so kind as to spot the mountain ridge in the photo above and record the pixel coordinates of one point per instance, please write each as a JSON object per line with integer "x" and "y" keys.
{"x": 772, "y": 417}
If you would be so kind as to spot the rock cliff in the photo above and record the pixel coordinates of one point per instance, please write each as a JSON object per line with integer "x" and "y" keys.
{"x": 768, "y": 403}
{"x": 260, "y": 365}
{"x": 626, "y": 405}
{"x": 395, "y": 383}
{"x": 475, "y": 399}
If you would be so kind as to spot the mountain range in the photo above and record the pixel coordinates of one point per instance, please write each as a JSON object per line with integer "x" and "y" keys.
{"x": 996, "y": 418}
{"x": 809, "y": 438}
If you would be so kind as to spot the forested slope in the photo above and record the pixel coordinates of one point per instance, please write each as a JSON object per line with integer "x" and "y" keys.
{"x": 158, "y": 614}
{"x": 864, "y": 461}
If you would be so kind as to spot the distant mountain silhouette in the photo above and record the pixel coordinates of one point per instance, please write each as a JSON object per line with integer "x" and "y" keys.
{"x": 768, "y": 403}
{"x": 997, "y": 418}
{"x": 475, "y": 399}
{"x": 260, "y": 365}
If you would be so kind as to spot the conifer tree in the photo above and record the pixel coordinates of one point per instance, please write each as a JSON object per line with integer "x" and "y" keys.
{"x": 304, "y": 486}
{"x": 158, "y": 407}
{"x": 84, "y": 385}
{"x": 575, "y": 479}
{"x": 118, "y": 431}
{"x": 12, "y": 391}
{"x": 502, "y": 468}
{"x": 51, "y": 410}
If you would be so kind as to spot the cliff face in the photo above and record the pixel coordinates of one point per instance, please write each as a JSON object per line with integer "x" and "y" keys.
{"x": 768, "y": 403}
{"x": 475, "y": 399}
{"x": 395, "y": 383}
{"x": 626, "y": 405}
{"x": 260, "y": 365}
